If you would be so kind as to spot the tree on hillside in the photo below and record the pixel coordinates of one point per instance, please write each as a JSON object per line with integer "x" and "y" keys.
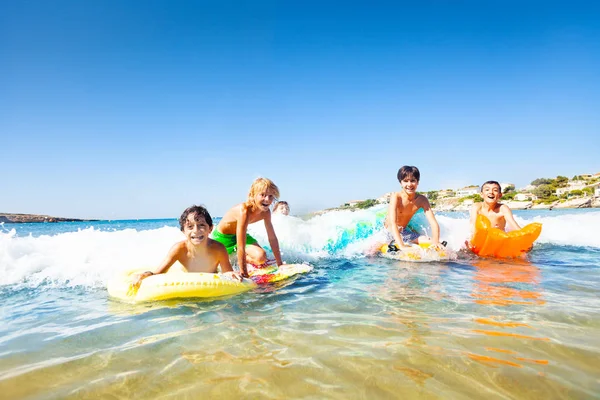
{"x": 475, "y": 197}
{"x": 576, "y": 192}
{"x": 508, "y": 188}
{"x": 588, "y": 190}
{"x": 561, "y": 181}
{"x": 432, "y": 195}
{"x": 541, "y": 181}
{"x": 543, "y": 191}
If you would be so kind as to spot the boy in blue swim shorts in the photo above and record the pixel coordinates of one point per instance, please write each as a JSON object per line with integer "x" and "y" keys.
{"x": 403, "y": 205}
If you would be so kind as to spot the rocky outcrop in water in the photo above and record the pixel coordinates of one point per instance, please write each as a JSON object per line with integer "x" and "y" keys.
{"x": 585, "y": 202}
{"x": 22, "y": 218}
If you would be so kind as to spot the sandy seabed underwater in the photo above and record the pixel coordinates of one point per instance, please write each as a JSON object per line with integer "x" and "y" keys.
{"x": 356, "y": 327}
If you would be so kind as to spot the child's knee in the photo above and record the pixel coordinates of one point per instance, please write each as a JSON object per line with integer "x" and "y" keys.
{"x": 257, "y": 255}
{"x": 261, "y": 256}
{"x": 422, "y": 240}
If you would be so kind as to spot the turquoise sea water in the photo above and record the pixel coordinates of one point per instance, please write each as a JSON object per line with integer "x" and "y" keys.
{"x": 356, "y": 327}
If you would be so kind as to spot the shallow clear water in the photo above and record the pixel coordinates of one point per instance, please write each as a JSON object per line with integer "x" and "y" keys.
{"x": 356, "y": 327}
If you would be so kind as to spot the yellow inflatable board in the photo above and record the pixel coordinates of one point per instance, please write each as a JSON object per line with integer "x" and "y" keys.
{"x": 493, "y": 242}
{"x": 419, "y": 253}
{"x": 176, "y": 284}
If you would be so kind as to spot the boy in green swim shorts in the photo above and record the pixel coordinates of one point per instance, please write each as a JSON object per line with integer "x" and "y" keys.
{"x": 232, "y": 229}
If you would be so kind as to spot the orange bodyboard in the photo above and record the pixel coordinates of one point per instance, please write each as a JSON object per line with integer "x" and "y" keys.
{"x": 493, "y": 242}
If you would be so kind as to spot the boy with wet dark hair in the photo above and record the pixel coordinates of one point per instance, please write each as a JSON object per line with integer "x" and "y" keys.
{"x": 498, "y": 214}
{"x": 197, "y": 253}
{"x": 403, "y": 205}
{"x": 199, "y": 212}
{"x": 408, "y": 171}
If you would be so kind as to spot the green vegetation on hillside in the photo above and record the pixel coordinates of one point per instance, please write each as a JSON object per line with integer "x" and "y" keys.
{"x": 366, "y": 203}
{"x": 475, "y": 197}
{"x": 360, "y": 205}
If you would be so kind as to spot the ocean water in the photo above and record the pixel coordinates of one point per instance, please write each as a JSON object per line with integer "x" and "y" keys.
{"x": 357, "y": 327}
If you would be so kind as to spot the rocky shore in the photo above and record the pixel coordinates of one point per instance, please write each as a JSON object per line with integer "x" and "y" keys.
{"x": 585, "y": 202}
{"x": 23, "y": 218}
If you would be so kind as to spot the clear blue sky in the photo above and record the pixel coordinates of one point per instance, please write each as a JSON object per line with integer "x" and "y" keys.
{"x": 137, "y": 109}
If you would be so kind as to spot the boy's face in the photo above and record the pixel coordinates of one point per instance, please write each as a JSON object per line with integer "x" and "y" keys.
{"x": 263, "y": 200}
{"x": 283, "y": 209}
{"x": 196, "y": 229}
{"x": 409, "y": 184}
{"x": 491, "y": 193}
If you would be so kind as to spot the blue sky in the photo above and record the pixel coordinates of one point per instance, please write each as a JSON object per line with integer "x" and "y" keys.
{"x": 130, "y": 109}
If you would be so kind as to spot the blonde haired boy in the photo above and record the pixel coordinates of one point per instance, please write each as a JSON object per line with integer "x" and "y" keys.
{"x": 232, "y": 230}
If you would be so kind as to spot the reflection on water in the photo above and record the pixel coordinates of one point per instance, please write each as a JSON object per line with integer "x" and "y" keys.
{"x": 351, "y": 329}
{"x": 503, "y": 284}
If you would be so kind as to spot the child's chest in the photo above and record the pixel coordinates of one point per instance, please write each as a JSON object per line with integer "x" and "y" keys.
{"x": 495, "y": 217}
{"x": 200, "y": 264}
{"x": 407, "y": 207}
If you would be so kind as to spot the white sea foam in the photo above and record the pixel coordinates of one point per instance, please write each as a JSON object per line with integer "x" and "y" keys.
{"x": 90, "y": 257}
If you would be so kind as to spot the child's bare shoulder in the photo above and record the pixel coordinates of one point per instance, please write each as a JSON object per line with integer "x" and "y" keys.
{"x": 421, "y": 200}
{"x": 395, "y": 195}
{"x": 476, "y": 207}
{"x": 179, "y": 248}
{"x": 215, "y": 246}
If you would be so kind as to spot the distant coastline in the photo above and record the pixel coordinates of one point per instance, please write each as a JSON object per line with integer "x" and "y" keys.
{"x": 25, "y": 218}
{"x": 581, "y": 191}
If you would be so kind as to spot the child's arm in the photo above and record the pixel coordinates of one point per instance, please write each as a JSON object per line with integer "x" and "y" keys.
{"x": 225, "y": 264}
{"x": 508, "y": 216}
{"x": 241, "y": 229}
{"x": 393, "y": 225}
{"x": 273, "y": 241}
{"x": 173, "y": 255}
{"x": 473, "y": 216}
{"x": 435, "y": 227}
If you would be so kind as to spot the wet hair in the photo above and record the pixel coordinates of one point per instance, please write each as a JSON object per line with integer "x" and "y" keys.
{"x": 263, "y": 184}
{"x": 408, "y": 171}
{"x": 198, "y": 212}
{"x": 492, "y": 183}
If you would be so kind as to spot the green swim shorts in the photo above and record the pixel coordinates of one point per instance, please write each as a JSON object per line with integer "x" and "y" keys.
{"x": 230, "y": 241}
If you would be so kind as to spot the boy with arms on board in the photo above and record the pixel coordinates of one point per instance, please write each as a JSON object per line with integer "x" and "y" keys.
{"x": 403, "y": 205}
{"x": 197, "y": 253}
{"x": 498, "y": 214}
{"x": 233, "y": 227}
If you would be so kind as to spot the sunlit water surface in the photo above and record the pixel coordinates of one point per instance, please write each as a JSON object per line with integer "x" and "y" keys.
{"x": 355, "y": 327}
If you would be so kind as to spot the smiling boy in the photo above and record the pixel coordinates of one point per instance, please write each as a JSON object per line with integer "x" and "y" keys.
{"x": 197, "y": 253}
{"x": 498, "y": 214}
{"x": 403, "y": 205}
{"x": 233, "y": 227}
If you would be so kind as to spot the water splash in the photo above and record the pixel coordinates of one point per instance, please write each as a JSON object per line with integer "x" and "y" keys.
{"x": 90, "y": 257}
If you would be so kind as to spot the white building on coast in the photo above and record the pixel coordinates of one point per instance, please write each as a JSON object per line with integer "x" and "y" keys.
{"x": 467, "y": 191}
{"x": 525, "y": 196}
{"x": 572, "y": 185}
